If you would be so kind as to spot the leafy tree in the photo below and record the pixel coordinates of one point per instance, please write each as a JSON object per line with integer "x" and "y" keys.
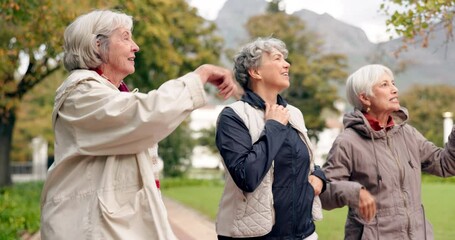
{"x": 174, "y": 40}
{"x": 34, "y": 117}
{"x": 314, "y": 76}
{"x": 30, "y": 35}
{"x": 418, "y": 19}
{"x": 426, "y": 105}
{"x": 207, "y": 139}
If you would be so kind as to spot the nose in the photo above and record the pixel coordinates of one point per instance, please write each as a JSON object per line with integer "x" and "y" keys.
{"x": 286, "y": 64}
{"x": 135, "y": 47}
{"x": 394, "y": 89}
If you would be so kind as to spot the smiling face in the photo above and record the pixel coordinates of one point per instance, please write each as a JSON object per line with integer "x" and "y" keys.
{"x": 120, "y": 61}
{"x": 274, "y": 71}
{"x": 385, "y": 97}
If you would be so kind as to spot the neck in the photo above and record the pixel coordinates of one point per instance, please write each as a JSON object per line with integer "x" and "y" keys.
{"x": 110, "y": 76}
{"x": 267, "y": 95}
{"x": 381, "y": 117}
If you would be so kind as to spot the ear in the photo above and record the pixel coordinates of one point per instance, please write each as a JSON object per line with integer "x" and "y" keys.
{"x": 254, "y": 73}
{"x": 364, "y": 99}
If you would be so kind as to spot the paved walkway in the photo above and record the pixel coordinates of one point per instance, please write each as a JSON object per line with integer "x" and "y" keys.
{"x": 186, "y": 223}
{"x": 189, "y": 224}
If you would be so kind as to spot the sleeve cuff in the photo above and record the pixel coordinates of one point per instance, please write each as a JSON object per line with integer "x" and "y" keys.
{"x": 196, "y": 89}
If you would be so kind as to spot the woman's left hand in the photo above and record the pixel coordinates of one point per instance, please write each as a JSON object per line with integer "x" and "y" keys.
{"x": 316, "y": 183}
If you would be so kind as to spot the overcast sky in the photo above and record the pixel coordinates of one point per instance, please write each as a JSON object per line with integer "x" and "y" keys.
{"x": 361, "y": 13}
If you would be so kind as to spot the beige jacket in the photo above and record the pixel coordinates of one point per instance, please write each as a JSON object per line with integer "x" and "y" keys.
{"x": 101, "y": 185}
{"x": 243, "y": 214}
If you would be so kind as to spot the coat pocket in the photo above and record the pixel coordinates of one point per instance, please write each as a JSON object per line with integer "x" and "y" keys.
{"x": 128, "y": 219}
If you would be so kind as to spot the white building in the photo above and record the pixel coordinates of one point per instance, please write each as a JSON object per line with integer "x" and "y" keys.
{"x": 204, "y": 118}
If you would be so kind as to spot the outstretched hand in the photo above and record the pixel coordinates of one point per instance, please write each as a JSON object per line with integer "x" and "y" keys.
{"x": 367, "y": 205}
{"x": 220, "y": 77}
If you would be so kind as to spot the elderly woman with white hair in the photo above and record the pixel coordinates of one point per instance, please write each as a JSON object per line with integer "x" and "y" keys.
{"x": 375, "y": 164}
{"x": 271, "y": 180}
{"x": 104, "y": 182}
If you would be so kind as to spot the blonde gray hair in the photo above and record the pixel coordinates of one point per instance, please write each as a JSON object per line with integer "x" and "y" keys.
{"x": 362, "y": 81}
{"x": 81, "y": 36}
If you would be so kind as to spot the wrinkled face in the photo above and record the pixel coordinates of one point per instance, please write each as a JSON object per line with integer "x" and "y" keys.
{"x": 274, "y": 70}
{"x": 385, "y": 99}
{"x": 122, "y": 51}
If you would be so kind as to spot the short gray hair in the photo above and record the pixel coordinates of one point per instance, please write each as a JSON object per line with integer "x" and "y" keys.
{"x": 249, "y": 57}
{"x": 362, "y": 81}
{"x": 81, "y": 36}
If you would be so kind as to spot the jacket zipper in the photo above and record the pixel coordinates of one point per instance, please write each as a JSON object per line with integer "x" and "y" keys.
{"x": 401, "y": 172}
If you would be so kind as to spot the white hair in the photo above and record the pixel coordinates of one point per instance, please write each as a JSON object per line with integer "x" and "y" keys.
{"x": 81, "y": 36}
{"x": 362, "y": 81}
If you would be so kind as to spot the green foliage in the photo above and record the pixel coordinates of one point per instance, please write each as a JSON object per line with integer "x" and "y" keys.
{"x": 207, "y": 139}
{"x": 175, "y": 151}
{"x": 169, "y": 183}
{"x": 34, "y": 118}
{"x": 174, "y": 40}
{"x": 418, "y": 19}
{"x": 314, "y": 75}
{"x": 202, "y": 195}
{"x": 426, "y": 105}
{"x": 276, "y": 6}
{"x": 31, "y": 37}
{"x": 20, "y": 209}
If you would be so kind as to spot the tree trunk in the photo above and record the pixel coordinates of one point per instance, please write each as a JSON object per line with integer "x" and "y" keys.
{"x": 7, "y": 122}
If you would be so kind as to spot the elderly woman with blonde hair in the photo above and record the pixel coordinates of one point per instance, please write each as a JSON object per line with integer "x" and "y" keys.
{"x": 104, "y": 182}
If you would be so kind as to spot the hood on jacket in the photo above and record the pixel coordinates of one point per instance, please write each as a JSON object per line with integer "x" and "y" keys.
{"x": 357, "y": 121}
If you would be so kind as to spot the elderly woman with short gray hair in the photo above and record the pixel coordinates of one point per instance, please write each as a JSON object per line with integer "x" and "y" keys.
{"x": 270, "y": 180}
{"x": 375, "y": 164}
{"x": 104, "y": 182}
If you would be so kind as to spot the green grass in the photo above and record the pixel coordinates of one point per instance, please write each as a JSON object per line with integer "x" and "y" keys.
{"x": 439, "y": 208}
{"x": 20, "y": 209}
{"x": 437, "y": 198}
{"x": 202, "y": 195}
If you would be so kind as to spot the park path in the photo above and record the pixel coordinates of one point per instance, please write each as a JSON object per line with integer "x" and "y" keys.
{"x": 187, "y": 223}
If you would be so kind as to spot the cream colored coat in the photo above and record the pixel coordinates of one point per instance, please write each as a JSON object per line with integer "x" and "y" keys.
{"x": 102, "y": 183}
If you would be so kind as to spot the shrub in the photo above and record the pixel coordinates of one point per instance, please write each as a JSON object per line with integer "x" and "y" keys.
{"x": 20, "y": 209}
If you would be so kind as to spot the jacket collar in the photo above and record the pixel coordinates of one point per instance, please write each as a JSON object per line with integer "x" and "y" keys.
{"x": 256, "y": 101}
{"x": 357, "y": 121}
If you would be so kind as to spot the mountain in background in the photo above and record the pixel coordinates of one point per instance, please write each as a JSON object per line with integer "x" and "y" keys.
{"x": 432, "y": 65}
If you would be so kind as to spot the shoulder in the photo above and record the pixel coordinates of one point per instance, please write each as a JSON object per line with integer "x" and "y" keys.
{"x": 348, "y": 138}
{"x": 78, "y": 76}
{"x": 293, "y": 109}
{"x": 228, "y": 115}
